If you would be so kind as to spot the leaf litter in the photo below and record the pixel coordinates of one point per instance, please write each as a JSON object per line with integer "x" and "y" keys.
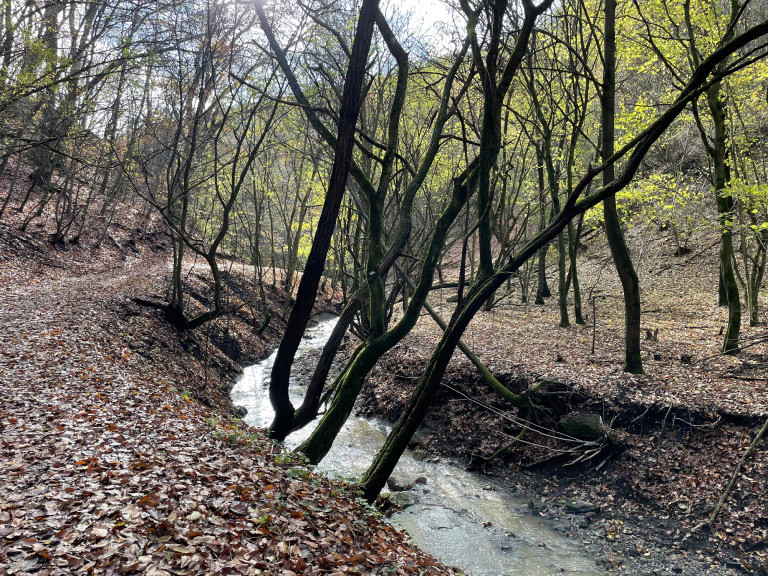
{"x": 108, "y": 466}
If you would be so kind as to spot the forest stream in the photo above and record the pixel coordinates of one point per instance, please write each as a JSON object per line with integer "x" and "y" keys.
{"x": 457, "y": 516}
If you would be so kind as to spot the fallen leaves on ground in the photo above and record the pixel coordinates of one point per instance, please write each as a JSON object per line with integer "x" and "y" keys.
{"x": 107, "y": 466}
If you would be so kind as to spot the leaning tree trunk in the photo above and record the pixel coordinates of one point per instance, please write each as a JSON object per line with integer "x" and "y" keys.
{"x": 351, "y": 381}
{"x": 310, "y": 280}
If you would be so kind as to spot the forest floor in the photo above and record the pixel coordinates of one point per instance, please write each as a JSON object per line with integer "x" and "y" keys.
{"x": 109, "y": 464}
{"x": 118, "y": 453}
{"x": 677, "y": 432}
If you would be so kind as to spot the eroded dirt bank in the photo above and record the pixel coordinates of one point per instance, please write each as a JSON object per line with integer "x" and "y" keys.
{"x": 676, "y": 433}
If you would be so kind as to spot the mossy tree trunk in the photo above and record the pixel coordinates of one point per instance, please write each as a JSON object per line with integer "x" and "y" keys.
{"x": 725, "y": 211}
{"x": 351, "y": 381}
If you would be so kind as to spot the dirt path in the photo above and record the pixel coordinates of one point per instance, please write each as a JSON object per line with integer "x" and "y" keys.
{"x": 108, "y": 466}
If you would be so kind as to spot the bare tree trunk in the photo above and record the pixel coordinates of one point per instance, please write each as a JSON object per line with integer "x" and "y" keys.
{"x": 619, "y": 250}
{"x": 310, "y": 280}
{"x": 725, "y": 210}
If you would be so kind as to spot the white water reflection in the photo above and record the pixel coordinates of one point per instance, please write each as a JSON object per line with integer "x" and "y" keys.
{"x": 484, "y": 532}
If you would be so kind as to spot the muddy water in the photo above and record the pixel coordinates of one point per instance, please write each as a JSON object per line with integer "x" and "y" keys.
{"x": 459, "y": 517}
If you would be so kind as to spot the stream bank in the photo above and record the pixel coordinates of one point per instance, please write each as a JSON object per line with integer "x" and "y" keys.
{"x": 455, "y": 515}
{"x": 627, "y": 525}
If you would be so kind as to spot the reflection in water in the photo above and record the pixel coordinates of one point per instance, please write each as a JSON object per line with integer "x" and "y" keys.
{"x": 484, "y": 532}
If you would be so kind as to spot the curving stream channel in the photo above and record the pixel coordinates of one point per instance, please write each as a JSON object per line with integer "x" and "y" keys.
{"x": 456, "y": 518}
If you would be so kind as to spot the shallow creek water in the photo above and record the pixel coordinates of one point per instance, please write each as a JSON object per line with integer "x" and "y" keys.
{"x": 457, "y": 519}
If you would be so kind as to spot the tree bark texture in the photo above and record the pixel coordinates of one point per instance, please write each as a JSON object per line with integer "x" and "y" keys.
{"x": 310, "y": 280}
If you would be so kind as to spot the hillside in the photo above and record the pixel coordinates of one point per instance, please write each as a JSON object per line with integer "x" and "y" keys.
{"x": 675, "y": 435}
{"x": 110, "y": 465}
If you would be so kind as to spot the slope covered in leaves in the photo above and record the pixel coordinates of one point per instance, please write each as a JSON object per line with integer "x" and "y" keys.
{"x": 677, "y": 432}
{"x": 107, "y": 464}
